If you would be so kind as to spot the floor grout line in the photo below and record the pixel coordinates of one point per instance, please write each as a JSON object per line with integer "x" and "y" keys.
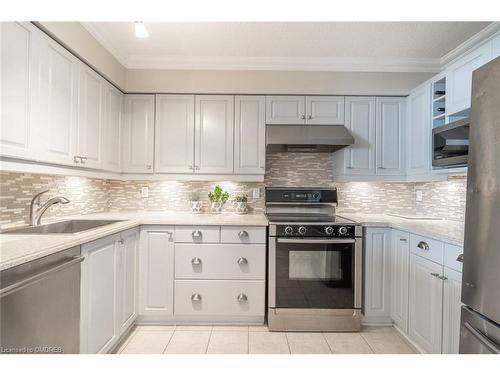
{"x": 209, "y": 338}
{"x": 327, "y": 343}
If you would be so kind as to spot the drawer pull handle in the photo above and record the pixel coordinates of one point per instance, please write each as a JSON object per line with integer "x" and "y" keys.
{"x": 196, "y": 233}
{"x": 243, "y": 234}
{"x": 196, "y": 261}
{"x": 423, "y": 245}
{"x": 402, "y": 239}
{"x": 460, "y": 258}
{"x": 242, "y": 261}
{"x": 435, "y": 274}
{"x": 242, "y": 297}
{"x": 196, "y": 297}
{"x": 442, "y": 278}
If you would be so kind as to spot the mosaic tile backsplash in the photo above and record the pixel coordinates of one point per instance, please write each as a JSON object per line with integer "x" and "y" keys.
{"x": 444, "y": 199}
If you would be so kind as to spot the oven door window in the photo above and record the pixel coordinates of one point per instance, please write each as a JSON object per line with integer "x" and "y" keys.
{"x": 313, "y": 275}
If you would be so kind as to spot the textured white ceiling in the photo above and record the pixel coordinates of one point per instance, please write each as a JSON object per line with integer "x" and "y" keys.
{"x": 286, "y": 45}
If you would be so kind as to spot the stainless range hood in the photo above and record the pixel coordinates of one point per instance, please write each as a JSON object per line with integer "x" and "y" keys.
{"x": 307, "y": 138}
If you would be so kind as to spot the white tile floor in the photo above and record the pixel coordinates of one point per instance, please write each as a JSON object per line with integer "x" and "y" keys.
{"x": 258, "y": 340}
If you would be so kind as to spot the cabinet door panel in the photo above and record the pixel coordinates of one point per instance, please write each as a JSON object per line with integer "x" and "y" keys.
{"x": 452, "y": 305}
{"x": 419, "y": 131}
{"x": 391, "y": 114}
{"x": 285, "y": 110}
{"x": 112, "y": 128}
{"x": 400, "y": 255}
{"x": 425, "y": 303}
{"x": 214, "y": 134}
{"x": 325, "y": 110}
{"x": 250, "y": 135}
{"x": 360, "y": 120}
{"x": 174, "y": 134}
{"x": 127, "y": 280}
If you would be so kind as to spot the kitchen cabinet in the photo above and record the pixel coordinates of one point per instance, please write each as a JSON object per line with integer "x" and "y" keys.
{"x": 90, "y": 118}
{"x": 174, "y": 134}
{"x": 390, "y": 135}
{"x": 249, "y": 135}
{"x": 400, "y": 261}
{"x": 425, "y": 303}
{"x": 112, "y": 131}
{"x": 214, "y": 125}
{"x": 19, "y": 86}
{"x": 452, "y": 293}
{"x": 377, "y": 252}
{"x": 98, "y": 295}
{"x": 156, "y": 269}
{"x": 138, "y": 134}
{"x": 325, "y": 110}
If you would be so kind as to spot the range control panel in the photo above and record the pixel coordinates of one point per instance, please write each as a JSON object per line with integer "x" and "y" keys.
{"x": 343, "y": 231}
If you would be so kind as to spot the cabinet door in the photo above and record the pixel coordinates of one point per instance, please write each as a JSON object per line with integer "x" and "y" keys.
{"x": 17, "y": 88}
{"x": 377, "y": 275}
{"x": 214, "y": 134}
{"x": 98, "y": 295}
{"x": 418, "y": 144}
{"x": 138, "y": 134}
{"x": 90, "y": 117}
{"x": 459, "y": 79}
{"x": 126, "y": 280}
{"x": 285, "y": 110}
{"x": 452, "y": 293}
{"x": 174, "y": 134}
{"x": 250, "y": 135}
{"x": 112, "y": 128}
{"x": 390, "y": 131}
{"x": 156, "y": 265}
{"x": 425, "y": 303}
{"x": 360, "y": 120}
{"x": 325, "y": 110}
{"x": 400, "y": 259}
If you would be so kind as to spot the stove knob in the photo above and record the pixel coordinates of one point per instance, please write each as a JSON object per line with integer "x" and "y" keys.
{"x": 329, "y": 230}
{"x": 342, "y": 231}
{"x": 288, "y": 230}
{"x": 302, "y": 230}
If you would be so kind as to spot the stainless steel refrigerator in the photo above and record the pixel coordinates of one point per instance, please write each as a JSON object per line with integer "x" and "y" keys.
{"x": 480, "y": 321}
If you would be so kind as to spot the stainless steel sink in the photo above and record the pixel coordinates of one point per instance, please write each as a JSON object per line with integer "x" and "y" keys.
{"x": 63, "y": 227}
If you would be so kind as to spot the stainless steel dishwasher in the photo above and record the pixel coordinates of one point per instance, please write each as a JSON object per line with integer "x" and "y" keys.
{"x": 40, "y": 305}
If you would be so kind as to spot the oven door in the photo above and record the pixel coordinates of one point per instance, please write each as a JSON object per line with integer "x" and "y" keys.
{"x": 314, "y": 273}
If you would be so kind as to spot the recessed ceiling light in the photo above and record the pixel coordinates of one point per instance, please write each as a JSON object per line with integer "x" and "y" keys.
{"x": 140, "y": 30}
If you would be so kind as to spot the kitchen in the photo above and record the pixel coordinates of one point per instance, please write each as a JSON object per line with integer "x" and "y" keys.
{"x": 157, "y": 203}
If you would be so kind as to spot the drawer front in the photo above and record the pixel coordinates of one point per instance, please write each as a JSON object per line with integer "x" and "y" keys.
{"x": 221, "y": 261}
{"x": 427, "y": 248}
{"x": 243, "y": 235}
{"x": 216, "y": 297}
{"x": 197, "y": 234}
{"x": 451, "y": 253}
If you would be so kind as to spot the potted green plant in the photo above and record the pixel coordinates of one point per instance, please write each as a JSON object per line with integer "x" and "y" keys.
{"x": 218, "y": 198}
{"x": 241, "y": 203}
{"x": 195, "y": 203}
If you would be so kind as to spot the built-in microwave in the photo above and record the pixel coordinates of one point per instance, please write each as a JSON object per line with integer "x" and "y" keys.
{"x": 450, "y": 144}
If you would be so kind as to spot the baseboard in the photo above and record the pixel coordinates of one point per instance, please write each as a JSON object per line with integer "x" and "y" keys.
{"x": 409, "y": 340}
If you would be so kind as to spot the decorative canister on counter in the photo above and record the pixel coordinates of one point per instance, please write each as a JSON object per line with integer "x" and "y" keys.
{"x": 195, "y": 204}
{"x": 241, "y": 204}
{"x": 217, "y": 198}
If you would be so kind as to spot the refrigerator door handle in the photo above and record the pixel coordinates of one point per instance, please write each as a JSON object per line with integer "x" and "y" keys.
{"x": 482, "y": 338}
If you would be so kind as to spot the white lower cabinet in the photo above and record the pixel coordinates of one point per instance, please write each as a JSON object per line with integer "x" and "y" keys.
{"x": 400, "y": 261}
{"x": 452, "y": 292}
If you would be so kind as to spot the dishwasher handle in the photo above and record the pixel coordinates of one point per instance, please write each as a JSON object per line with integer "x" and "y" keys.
{"x": 32, "y": 279}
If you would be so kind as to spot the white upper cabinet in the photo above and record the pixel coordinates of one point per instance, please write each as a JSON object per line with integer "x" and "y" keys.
{"x": 285, "y": 110}
{"x": 360, "y": 120}
{"x": 138, "y": 134}
{"x": 325, "y": 110}
{"x": 90, "y": 117}
{"x": 214, "y": 119}
{"x": 249, "y": 135}
{"x": 17, "y": 86}
{"x": 390, "y": 132}
{"x": 174, "y": 134}
{"x": 112, "y": 123}
{"x": 400, "y": 262}
{"x": 459, "y": 78}
{"x": 418, "y": 140}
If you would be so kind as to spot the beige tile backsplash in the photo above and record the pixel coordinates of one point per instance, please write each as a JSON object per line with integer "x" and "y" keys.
{"x": 444, "y": 199}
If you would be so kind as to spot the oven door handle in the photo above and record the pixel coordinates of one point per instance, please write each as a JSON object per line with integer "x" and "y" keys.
{"x": 302, "y": 240}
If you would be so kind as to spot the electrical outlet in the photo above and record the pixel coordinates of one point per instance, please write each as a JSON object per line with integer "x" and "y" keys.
{"x": 255, "y": 193}
{"x": 419, "y": 196}
{"x": 145, "y": 192}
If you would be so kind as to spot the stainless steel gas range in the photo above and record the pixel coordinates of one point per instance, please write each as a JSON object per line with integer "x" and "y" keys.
{"x": 315, "y": 262}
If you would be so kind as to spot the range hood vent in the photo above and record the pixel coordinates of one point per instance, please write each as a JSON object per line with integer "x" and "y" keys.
{"x": 307, "y": 138}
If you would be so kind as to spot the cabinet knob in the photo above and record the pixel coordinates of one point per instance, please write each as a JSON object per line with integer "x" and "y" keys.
{"x": 242, "y": 261}
{"x": 423, "y": 245}
{"x": 149, "y": 166}
{"x": 243, "y": 234}
{"x": 191, "y": 167}
{"x": 442, "y": 278}
{"x": 196, "y": 234}
{"x": 196, "y": 297}
{"x": 435, "y": 274}
{"x": 309, "y": 117}
{"x": 197, "y": 167}
{"x": 242, "y": 297}
{"x": 460, "y": 258}
{"x": 120, "y": 242}
{"x": 303, "y": 117}
{"x": 82, "y": 159}
{"x": 196, "y": 261}
{"x": 75, "y": 159}
{"x": 403, "y": 239}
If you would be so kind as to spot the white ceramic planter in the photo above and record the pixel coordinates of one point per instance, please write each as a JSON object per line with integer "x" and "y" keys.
{"x": 196, "y": 207}
{"x": 241, "y": 207}
{"x": 216, "y": 207}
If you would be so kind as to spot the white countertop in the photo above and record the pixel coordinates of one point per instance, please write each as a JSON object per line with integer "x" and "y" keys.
{"x": 17, "y": 249}
{"x": 449, "y": 231}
